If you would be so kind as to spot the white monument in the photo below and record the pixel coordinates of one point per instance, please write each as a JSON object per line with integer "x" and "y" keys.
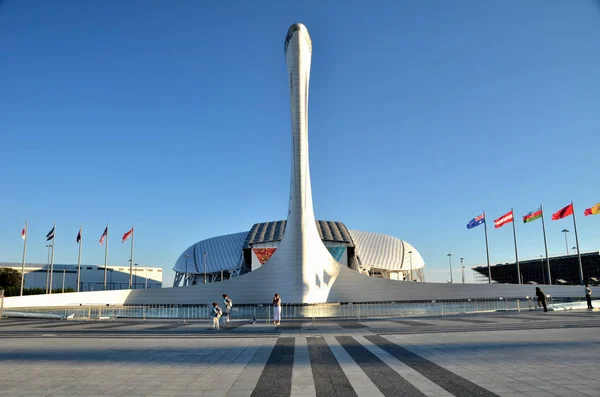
{"x": 309, "y": 270}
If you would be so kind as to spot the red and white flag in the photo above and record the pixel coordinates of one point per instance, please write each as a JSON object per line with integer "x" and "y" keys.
{"x": 104, "y": 235}
{"x": 127, "y": 235}
{"x": 504, "y": 219}
{"x": 24, "y": 232}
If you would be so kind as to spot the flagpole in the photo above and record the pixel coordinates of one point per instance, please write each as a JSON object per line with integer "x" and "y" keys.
{"x": 516, "y": 250}
{"x": 52, "y": 260}
{"x": 106, "y": 257}
{"x": 577, "y": 243}
{"x": 24, "y": 253}
{"x": 131, "y": 260}
{"x": 79, "y": 257}
{"x": 546, "y": 247}
{"x": 487, "y": 249}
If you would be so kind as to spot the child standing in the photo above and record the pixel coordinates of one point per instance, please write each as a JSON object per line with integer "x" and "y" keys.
{"x": 216, "y": 314}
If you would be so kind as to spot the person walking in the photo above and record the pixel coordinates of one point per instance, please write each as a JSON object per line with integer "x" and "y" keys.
{"x": 276, "y": 309}
{"x": 228, "y": 304}
{"x": 541, "y": 298}
{"x": 588, "y": 296}
{"x": 216, "y": 315}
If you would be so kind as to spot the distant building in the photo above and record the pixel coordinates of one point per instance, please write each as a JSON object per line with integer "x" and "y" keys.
{"x": 92, "y": 276}
{"x": 564, "y": 269}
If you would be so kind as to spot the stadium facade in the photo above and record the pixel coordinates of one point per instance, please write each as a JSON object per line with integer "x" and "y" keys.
{"x": 302, "y": 267}
{"x": 564, "y": 270}
{"x": 225, "y": 257}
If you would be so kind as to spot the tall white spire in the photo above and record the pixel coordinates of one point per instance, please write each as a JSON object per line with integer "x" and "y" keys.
{"x": 302, "y": 266}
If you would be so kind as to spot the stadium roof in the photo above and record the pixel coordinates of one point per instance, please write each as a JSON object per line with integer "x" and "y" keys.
{"x": 266, "y": 232}
{"x": 374, "y": 250}
{"x": 385, "y": 252}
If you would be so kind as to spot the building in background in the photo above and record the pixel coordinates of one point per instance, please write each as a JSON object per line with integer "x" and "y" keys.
{"x": 232, "y": 255}
{"x": 564, "y": 270}
{"x": 92, "y": 276}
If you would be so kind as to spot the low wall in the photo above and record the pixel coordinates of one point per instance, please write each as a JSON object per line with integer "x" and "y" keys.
{"x": 253, "y": 288}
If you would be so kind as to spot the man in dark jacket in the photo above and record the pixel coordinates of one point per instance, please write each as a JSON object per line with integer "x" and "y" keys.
{"x": 541, "y": 298}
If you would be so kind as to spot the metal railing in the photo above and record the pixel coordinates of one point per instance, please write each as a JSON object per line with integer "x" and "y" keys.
{"x": 296, "y": 311}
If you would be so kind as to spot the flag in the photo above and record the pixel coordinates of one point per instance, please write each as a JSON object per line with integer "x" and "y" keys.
{"x": 24, "y": 232}
{"x": 478, "y": 220}
{"x": 104, "y": 235}
{"x": 533, "y": 215}
{"x": 79, "y": 236}
{"x": 568, "y": 210}
{"x": 504, "y": 219}
{"x": 50, "y": 235}
{"x": 126, "y": 235}
{"x": 593, "y": 211}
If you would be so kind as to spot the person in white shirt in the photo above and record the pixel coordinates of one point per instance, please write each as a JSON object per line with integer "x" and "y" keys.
{"x": 276, "y": 310}
{"x": 228, "y": 305}
{"x": 588, "y": 296}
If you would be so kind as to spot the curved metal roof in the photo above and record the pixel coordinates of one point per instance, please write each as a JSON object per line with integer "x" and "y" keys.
{"x": 222, "y": 253}
{"x": 267, "y": 232}
{"x": 385, "y": 252}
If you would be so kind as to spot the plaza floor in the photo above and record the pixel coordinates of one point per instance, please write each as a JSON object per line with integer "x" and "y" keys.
{"x": 496, "y": 354}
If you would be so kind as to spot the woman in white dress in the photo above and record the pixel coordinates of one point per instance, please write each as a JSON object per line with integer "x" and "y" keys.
{"x": 276, "y": 309}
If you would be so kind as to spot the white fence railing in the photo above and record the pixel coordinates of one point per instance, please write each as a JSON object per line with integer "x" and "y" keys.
{"x": 299, "y": 311}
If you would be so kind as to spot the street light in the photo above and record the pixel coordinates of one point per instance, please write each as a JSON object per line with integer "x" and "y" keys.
{"x": 204, "y": 267}
{"x": 543, "y": 271}
{"x": 450, "y": 260}
{"x": 565, "y": 231}
{"x": 574, "y": 250}
{"x": 411, "y": 268}
{"x": 187, "y": 274}
{"x": 462, "y": 267}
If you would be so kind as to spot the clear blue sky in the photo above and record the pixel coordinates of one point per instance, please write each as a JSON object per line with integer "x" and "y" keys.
{"x": 174, "y": 116}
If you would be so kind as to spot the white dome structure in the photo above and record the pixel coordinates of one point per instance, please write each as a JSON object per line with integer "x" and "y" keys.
{"x": 229, "y": 256}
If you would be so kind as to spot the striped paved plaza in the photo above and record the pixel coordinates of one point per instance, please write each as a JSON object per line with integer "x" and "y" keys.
{"x": 492, "y": 355}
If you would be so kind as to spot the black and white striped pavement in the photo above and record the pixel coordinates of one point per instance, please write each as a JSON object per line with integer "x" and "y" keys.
{"x": 349, "y": 366}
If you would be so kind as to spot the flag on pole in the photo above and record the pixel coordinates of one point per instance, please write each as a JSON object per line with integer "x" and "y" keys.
{"x": 533, "y": 215}
{"x": 593, "y": 211}
{"x": 24, "y": 232}
{"x": 103, "y": 235}
{"x": 50, "y": 235}
{"x": 504, "y": 219}
{"x": 478, "y": 220}
{"x": 563, "y": 213}
{"x": 127, "y": 235}
{"x": 79, "y": 236}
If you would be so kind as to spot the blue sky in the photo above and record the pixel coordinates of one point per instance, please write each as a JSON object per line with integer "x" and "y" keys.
{"x": 174, "y": 116}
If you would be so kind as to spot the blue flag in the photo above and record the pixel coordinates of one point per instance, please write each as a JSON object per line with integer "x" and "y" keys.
{"x": 478, "y": 220}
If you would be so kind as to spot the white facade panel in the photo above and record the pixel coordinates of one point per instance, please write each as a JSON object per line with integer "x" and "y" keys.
{"x": 385, "y": 252}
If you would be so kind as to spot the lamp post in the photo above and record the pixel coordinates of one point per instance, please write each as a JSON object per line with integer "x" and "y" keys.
{"x": 462, "y": 268}
{"x": 411, "y": 268}
{"x": 543, "y": 272}
{"x": 574, "y": 250}
{"x": 49, "y": 246}
{"x": 146, "y": 277}
{"x": 204, "y": 267}
{"x": 136, "y": 277}
{"x": 565, "y": 231}
{"x": 187, "y": 273}
{"x": 63, "y": 285}
{"x": 450, "y": 260}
